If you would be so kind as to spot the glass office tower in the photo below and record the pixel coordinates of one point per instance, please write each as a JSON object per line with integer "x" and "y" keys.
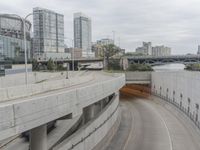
{"x": 82, "y": 34}
{"x": 48, "y": 31}
{"x": 12, "y": 38}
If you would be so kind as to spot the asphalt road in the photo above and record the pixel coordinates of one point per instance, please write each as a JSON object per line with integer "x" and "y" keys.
{"x": 147, "y": 125}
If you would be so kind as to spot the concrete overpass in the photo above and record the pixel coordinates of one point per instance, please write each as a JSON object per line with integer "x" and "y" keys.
{"x": 77, "y": 62}
{"x": 168, "y": 120}
{"x": 30, "y": 108}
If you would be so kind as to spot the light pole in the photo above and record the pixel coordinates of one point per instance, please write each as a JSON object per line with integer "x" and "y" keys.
{"x": 25, "y": 46}
{"x": 113, "y": 36}
{"x": 72, "y": 40}
{"x": 25, "y": 49}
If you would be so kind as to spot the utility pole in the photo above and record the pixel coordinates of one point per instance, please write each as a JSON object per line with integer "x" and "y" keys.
{"x": 113, "y": 36}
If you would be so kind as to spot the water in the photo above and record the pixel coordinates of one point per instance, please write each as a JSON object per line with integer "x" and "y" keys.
{"x": 170, "y": 67}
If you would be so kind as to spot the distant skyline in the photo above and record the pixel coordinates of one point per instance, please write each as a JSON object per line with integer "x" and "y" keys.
{"x": 173, "y": 23}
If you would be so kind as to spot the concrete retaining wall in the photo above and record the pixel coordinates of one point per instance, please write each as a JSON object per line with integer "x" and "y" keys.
{"x": 138, "y": 77}
{"x": 32, "y": 89}
{"x": 93, "y": 132}
{"x": 181, "y": 89}
{"x": 22, "y": 115}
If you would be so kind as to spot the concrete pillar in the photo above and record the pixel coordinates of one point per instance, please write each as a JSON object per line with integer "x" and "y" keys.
{"x": 38, "y": 138}
{"x": 91, "y": 112}
{"x": 97, "y": 108}
{"x": 101, "y": 104}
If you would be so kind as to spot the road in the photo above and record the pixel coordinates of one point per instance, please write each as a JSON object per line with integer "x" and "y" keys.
{"x": 147, "y": 125}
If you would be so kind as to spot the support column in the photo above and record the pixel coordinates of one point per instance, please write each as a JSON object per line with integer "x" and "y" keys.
{"x": 97, "y": 108}
{"x": 38, "y": 138}
{"x": 91, "y": 113}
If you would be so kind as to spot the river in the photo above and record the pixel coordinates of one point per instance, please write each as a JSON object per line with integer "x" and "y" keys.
{"x": 170, "y": 67}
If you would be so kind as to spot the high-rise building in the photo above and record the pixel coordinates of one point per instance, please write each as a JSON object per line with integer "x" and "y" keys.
{"x": 48, "y": 32}
{"x": 12, "y": 38}
{"x": 83, "y": 34}
{"x": 146, "y": 49}
{"x": 161, "y": 51}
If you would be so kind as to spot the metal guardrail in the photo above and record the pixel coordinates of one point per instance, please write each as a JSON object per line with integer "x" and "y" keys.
{"x": 181, "y": 108}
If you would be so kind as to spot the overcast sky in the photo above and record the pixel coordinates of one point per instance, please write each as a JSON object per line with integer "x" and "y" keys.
{"x": 174, "y": 23}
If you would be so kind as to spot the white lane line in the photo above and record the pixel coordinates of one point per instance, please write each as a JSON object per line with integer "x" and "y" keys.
{"x": 170, "y": 139}
{"x": 131, "y": 132}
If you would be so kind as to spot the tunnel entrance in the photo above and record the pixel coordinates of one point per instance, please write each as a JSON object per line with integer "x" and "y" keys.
{"x": 135, "y": 90}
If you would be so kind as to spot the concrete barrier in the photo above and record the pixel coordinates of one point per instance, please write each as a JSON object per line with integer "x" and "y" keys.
{"x": 31, "y": 112}
{"x": 181, "y": 89}
{"x": 32, "y": 89}
{"x": 138, "y": 77}
{"x": 92, "y": 133}
{"x": 33, "y": 77}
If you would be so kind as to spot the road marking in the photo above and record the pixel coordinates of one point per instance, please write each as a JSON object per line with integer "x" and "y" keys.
{"x": 130, "y": 133}
{"x": 170, "y": 139}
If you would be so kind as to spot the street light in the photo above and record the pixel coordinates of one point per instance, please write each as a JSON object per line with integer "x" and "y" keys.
{"x": 72, "y": 40}
{"x": 25, "y": 46}
{"x": 113, "y": 36}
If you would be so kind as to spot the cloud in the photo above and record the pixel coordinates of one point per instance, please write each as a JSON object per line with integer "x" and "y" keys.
{"x": 174, "y": 23}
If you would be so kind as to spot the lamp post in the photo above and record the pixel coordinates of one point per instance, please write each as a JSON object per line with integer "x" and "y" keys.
{"x": 72, "y": 40}
{"x": 113, "y": 36}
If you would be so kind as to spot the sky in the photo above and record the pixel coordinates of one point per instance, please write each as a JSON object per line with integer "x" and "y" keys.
{"x": 173, "y": 23}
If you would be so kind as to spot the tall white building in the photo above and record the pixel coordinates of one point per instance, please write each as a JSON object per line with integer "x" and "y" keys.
{"x": 83, "y": 34}
{"x": 161, "y": 51}
{"x": 146, "y": 49}
{"x": 48, "y": 30}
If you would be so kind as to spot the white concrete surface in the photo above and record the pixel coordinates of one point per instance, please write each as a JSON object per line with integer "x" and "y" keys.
{"x": 183, "y": 83}
{"x": 38, "y": 138}
{"x": 33, "y": 89}
{"x": 19, "y": 115}
{"x": 92, "y": 133}
{"x": 35, "y": 77}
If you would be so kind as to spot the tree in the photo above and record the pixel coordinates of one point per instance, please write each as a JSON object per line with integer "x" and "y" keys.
{"x": 50, "y": 65}
{"x": 114, "y": 64}
{"x": 109, "y": 51}
{"x": 35, "y": 65}
{"x": 139, "y": 67}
